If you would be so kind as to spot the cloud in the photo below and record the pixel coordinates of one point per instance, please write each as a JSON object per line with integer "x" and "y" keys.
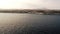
{"x": 29, "y": 4}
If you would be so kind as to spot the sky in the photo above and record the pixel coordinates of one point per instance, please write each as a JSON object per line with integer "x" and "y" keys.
{"x": 29, "y": 4}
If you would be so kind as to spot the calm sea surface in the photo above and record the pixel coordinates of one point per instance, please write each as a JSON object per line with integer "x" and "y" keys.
{"x": 16, "y": 23}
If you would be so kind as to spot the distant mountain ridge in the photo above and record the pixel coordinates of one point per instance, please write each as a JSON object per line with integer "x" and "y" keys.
{"x": 33, "y": 11}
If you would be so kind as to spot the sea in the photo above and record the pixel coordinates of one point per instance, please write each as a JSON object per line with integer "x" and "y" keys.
{"x": 22, "y": 23}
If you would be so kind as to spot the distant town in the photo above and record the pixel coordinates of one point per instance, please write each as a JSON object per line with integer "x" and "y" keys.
{"x": 39, "y": 11}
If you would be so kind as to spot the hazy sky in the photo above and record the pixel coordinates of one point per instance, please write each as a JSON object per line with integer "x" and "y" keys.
{"x": 29, "y": 4}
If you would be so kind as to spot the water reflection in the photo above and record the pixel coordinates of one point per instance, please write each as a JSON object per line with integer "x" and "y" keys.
{"x": 15, "y": 23}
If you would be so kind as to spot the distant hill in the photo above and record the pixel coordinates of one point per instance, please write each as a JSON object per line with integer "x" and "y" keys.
{"x": 33, "y": 11}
